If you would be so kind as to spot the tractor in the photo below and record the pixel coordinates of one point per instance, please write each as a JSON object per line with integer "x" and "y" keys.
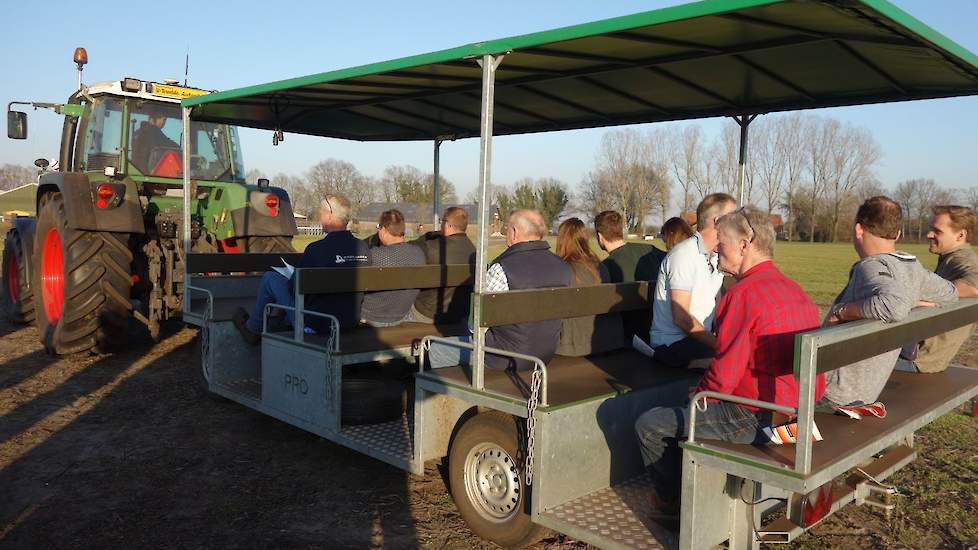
{"x": 107, "y": 242}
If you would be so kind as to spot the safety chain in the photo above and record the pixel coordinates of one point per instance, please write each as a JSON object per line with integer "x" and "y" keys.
{"x": 330, "y": 390}
{"x": 205, "y": 343}
{"x": 536, "y": 381}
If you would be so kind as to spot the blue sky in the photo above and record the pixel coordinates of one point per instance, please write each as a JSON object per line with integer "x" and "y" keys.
{"x": 249, "y": 42}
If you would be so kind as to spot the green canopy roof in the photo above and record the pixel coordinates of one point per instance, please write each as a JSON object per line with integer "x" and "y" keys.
{"x": 705, "y": 59}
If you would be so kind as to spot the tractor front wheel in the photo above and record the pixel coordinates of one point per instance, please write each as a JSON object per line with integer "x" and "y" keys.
{"x": 82, "y": 280}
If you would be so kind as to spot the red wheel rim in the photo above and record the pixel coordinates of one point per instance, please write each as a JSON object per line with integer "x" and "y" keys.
{"x": 52, "y": 276}
{"x": 12, "y": 286}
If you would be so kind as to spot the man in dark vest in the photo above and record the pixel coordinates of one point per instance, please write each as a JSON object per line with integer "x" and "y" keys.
{"x": 527, "y": 263}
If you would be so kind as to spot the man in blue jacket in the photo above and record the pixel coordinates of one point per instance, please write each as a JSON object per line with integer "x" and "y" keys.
{"x": 338, "y": 248}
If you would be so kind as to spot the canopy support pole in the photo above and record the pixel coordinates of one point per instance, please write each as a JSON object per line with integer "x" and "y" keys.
{"x": 488, "y": 64}
{"x": 744, "y": 122}
{"x": 436, "y": 205}
{"x": 186, "y": 205}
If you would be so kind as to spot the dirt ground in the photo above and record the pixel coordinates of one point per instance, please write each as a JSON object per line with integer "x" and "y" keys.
{"x": 125, "y": 451}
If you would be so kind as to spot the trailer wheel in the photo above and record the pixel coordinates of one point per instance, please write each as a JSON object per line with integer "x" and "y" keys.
{"x": 17, "y": 296}
{"x": 82, "y": 281}
{"x": 372, "y": 400}
{"x": 487, "y": 481}
{"x": 267, "y": 244}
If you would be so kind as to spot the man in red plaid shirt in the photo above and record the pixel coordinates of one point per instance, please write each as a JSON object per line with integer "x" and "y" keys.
{"x": 756, "y": 321}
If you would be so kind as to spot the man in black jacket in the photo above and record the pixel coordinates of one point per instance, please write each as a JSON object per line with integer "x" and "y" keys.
{"x": 527, "y": 263}
{"x": 451, "y": 245}
{"x": 338, "y": 248}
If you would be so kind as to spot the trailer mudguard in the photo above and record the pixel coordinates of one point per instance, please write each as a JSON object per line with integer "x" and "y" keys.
{"x": 249, "y": 222}
{"x": 79, "y": 195}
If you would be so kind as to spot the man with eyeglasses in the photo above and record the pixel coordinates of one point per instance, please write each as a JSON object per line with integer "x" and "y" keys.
{"x": 755, "y": 326}
{"x": 337, "y": 248}
{"x": 686, "y": 291}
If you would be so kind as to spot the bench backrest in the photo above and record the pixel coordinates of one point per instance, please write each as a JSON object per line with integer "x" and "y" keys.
{"x": 845, "y": 344}
{"x": 523, "y": 306}
{"x": 231, "y": 263}
{"x": 333, "y": 280}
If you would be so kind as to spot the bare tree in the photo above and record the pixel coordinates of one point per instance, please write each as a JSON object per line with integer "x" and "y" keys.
{"x": 970, "y": 197}
{"x": 823, "y": 133}
{"x": 687, "y": 150}
{"x": 340, "y": 177}
{"x": 791, "y": 146}
{"x": 853, "y": 154}
{"x": 906, "y": 194}
{"x": 12, "y": 175}
{"x": 768, "y": 160}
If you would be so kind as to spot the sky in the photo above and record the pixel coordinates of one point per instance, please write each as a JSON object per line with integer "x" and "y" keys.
{"x": 234, "y": 44}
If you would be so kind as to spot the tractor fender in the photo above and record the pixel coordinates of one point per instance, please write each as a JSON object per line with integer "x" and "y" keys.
{"x": 25, "y": 232}
{"x": 249, "y": 222}
{"x": 79, "y": 204}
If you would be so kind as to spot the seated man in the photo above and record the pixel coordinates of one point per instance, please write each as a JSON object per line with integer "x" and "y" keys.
{"x": 756, "y": 322}
{"x": 884, "y": 284}
{"x": 149, "y": 137}
{"x": 686, "y": 291}
{"x": 527, "y": 263}
{"x": 388, "y": 308}
{"x": 451, "y": 245}
{"x": 627, "y": 262}
{"x": 337, "y": 248}
{"x": 950, "y": 237}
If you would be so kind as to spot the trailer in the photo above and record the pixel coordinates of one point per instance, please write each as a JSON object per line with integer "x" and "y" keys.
{"x": 554, "y": 448}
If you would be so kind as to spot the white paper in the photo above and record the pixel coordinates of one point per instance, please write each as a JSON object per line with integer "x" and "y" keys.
{"x": 286, "y": 270}
{"x": 640, "y": 346}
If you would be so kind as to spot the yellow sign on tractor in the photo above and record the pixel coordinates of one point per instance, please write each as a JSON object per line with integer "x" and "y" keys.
{"x": 177, "y": 92}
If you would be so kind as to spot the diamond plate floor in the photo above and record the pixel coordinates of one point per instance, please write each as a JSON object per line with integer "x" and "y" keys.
{"x": 390, "y": 438}
{"x": 616, "y": 516}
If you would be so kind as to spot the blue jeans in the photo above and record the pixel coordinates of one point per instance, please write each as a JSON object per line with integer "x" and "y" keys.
{"x": 274, "y": 289}
{"x": 441, "y": 355}
{"x": 660, "y": 429}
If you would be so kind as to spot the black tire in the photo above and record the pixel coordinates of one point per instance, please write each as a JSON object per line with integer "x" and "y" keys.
{"x": 372, "y": 400}
{"x": 489, "y": 443}
{"x": 16, "y": 297}
{"x": 96, "y": 282}
{"x": 268, "y": 244}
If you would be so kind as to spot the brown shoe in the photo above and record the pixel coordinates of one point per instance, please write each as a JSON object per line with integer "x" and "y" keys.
{"x": 240, "y": 320}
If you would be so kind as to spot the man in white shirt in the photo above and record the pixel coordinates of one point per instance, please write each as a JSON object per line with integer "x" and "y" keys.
{"x": 686, "y": 290}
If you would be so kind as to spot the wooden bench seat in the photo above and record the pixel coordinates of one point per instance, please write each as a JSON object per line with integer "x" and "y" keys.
{"x": 908, "y": 397}
{"x": 364, "y": 339}
{"x": 574, "y": 379}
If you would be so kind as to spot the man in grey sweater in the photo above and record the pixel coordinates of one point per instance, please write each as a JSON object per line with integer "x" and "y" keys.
{"x": 389, "y": 308}
{"x": 884, "y": 284}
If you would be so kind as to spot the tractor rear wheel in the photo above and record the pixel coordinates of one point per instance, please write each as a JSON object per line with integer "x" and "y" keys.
{"x": 16, "y": 297}
{"x": 82, "y": 281}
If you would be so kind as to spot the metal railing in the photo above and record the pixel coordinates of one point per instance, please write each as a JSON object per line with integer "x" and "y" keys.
{"x": 298, "y": 336}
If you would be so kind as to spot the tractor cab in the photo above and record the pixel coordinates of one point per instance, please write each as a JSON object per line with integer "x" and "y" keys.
{"x": 134, "y": 128}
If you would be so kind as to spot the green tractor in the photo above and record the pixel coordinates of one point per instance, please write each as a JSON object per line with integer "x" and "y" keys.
{"x": 107, "y": 242}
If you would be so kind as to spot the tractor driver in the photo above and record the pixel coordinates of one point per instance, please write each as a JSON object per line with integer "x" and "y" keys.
{"x": 148, "y": 137}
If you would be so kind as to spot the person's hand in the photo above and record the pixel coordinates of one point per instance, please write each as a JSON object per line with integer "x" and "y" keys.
{"x": 925, "y": 303}
{"x": 835, "y": 316}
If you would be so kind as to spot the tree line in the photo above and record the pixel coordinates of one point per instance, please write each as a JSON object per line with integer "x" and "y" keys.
{"x": 813, "y": 169}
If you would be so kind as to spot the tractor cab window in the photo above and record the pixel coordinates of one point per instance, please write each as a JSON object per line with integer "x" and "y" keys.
{"x": 104, "y": 135}
{"x": 155, "y": 138}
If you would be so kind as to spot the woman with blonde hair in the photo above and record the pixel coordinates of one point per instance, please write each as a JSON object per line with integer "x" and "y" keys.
{"x": 590, "y": 334}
